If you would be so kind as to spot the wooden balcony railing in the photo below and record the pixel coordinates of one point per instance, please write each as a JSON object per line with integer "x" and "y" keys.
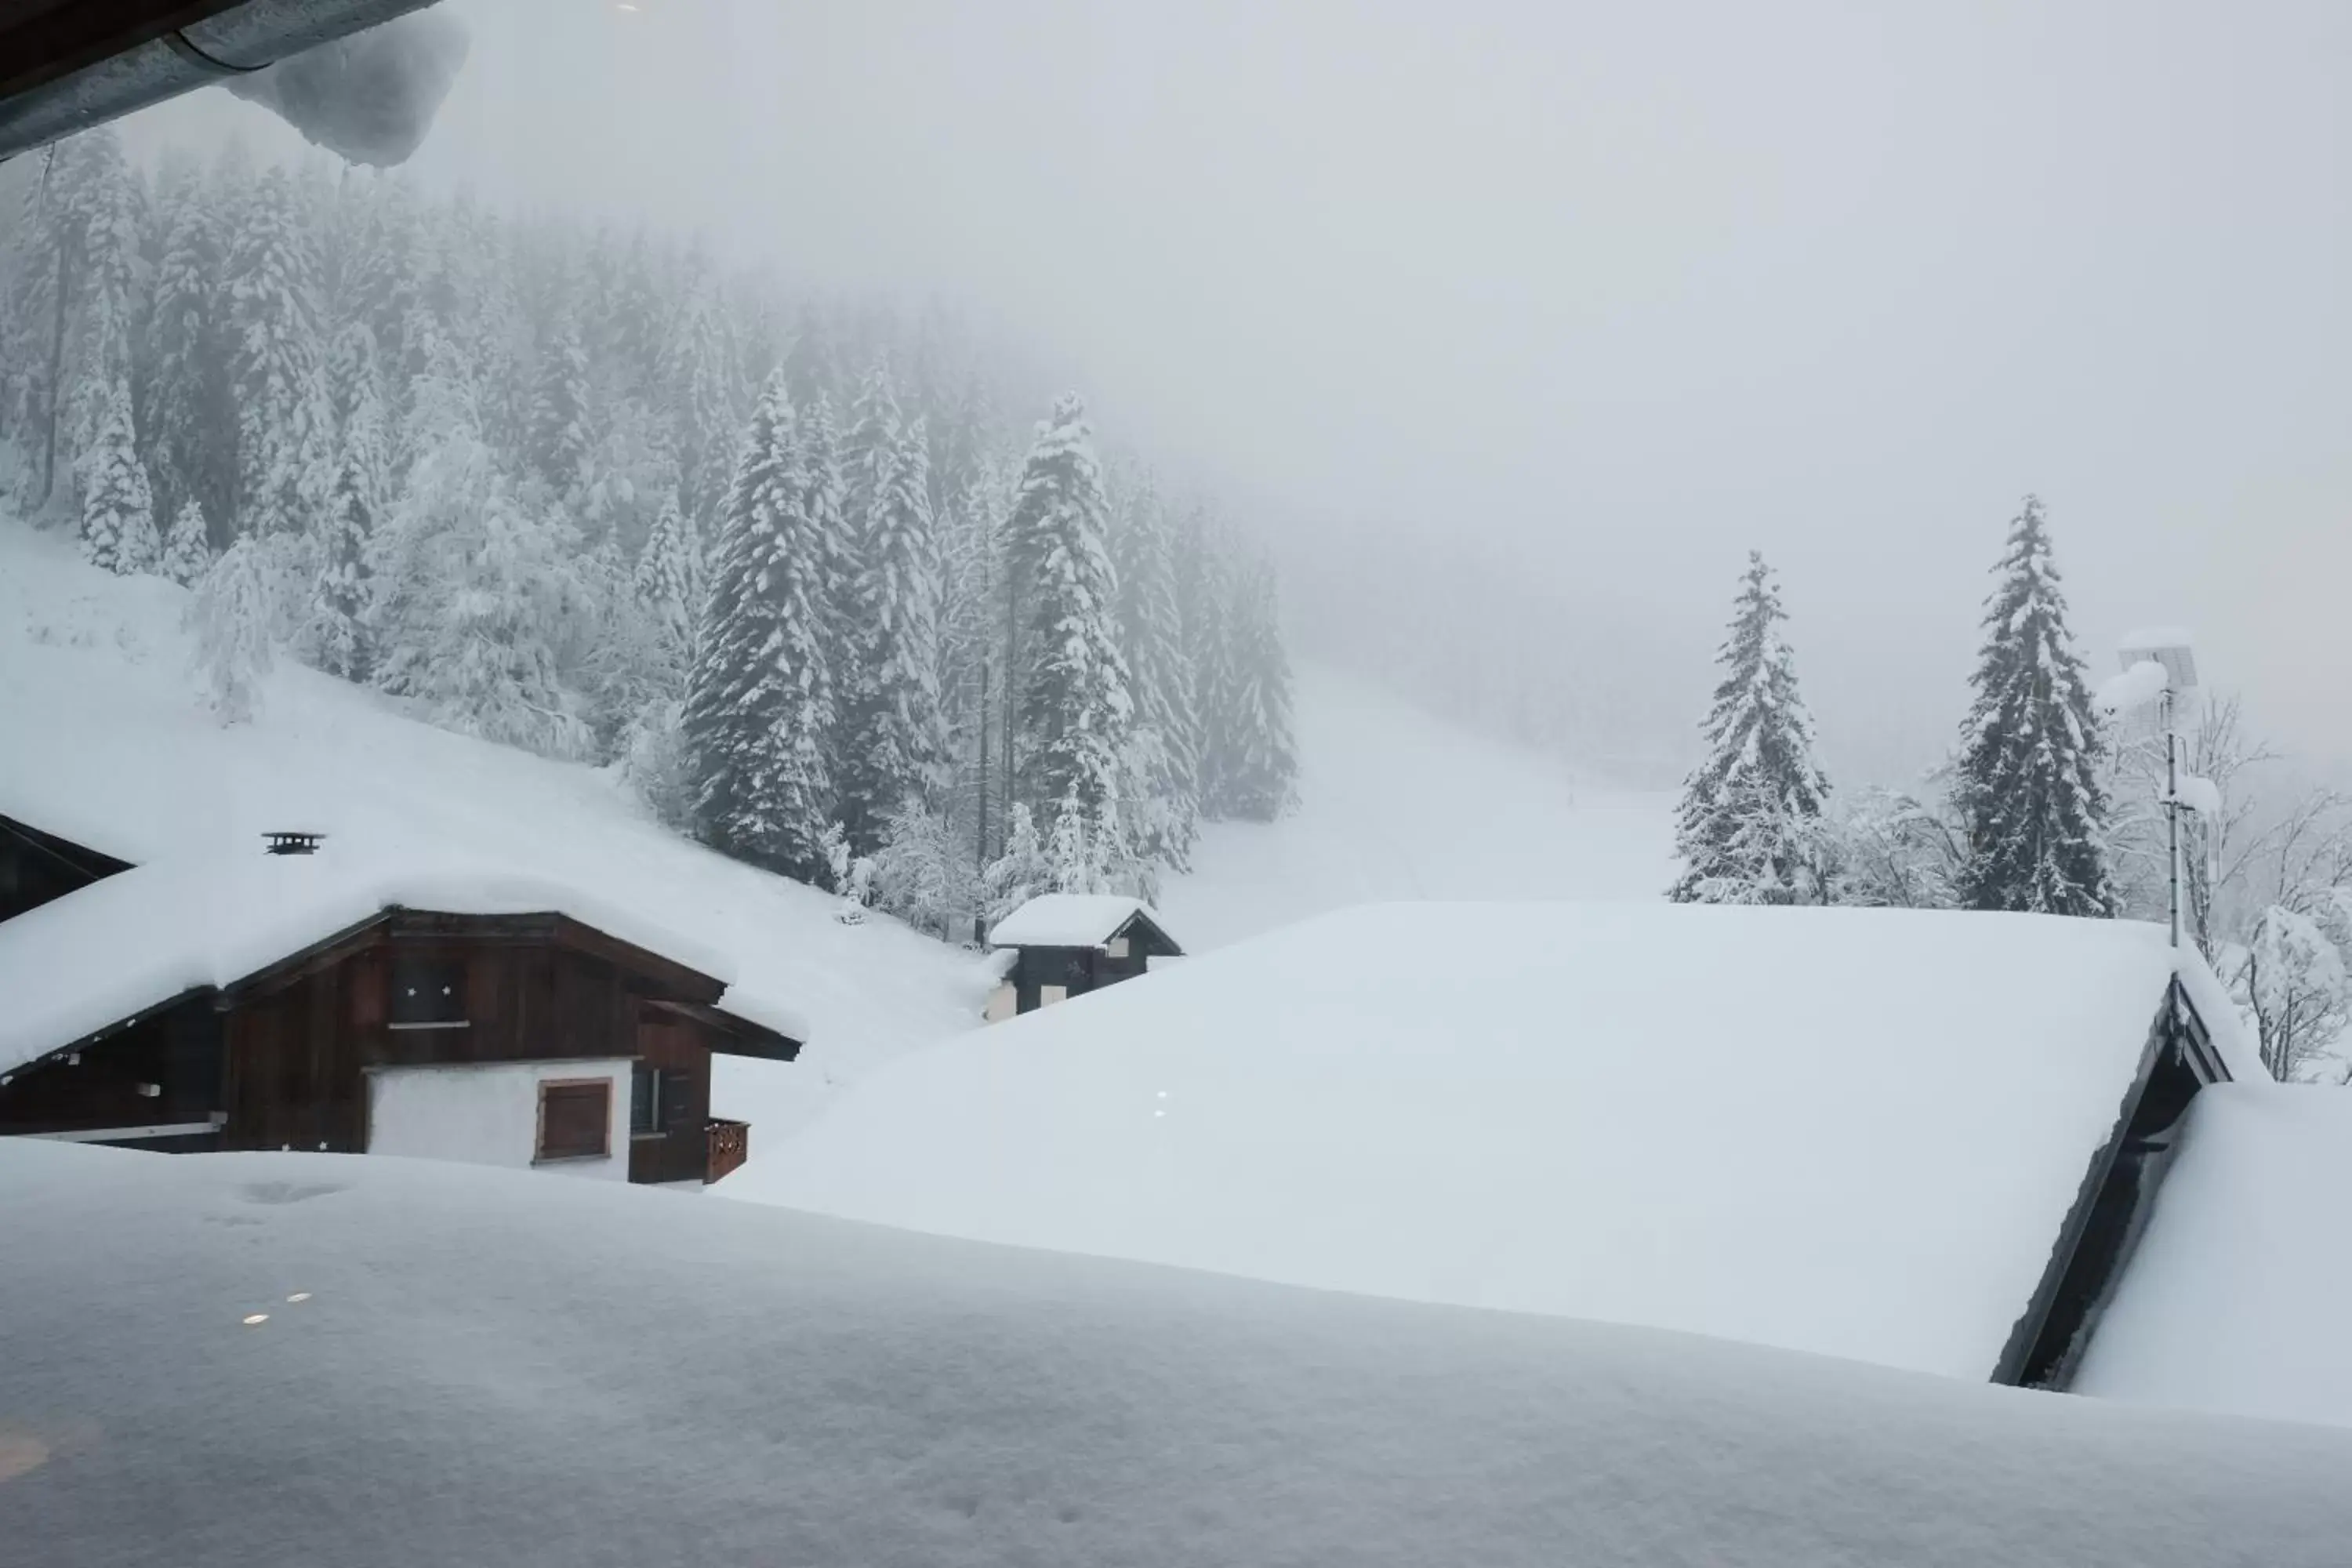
{"x": 730, "y": 1144}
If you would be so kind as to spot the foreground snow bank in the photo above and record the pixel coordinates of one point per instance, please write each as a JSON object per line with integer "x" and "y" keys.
{"x": 469, "y": 1367}
{"x": 2234, "y": 1298}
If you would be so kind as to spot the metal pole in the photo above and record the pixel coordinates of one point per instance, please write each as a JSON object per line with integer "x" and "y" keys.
{"x": 2171, "y": 814}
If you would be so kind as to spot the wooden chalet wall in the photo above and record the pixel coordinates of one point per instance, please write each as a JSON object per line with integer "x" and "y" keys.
{"x": 299, "y": 1042}
{"x": 1079, "y": 970}
{"x": 282, "y": 1059}
{"x": 177, "y": 1050}
{"x": 679, "y": 1048}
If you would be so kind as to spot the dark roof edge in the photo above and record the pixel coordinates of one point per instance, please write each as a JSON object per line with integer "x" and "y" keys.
{"x": 2025, "y": 1336}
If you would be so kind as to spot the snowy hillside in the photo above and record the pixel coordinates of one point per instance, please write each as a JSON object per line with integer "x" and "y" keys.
{"x": 261, "y": 1359}
{"x": 1395, "y": 803}
{"x": 108, "y": 743}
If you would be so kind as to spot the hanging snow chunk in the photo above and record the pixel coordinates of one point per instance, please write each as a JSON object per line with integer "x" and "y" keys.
{"x": 2135, "y": 688}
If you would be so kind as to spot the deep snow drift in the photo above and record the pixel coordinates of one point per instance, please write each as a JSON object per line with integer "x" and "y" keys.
{"x": 1856, "y": 1132}
{"x": 2235, "y": 1299}
{"x": 466, "y": 1366}
{"x": 106, "y": 744}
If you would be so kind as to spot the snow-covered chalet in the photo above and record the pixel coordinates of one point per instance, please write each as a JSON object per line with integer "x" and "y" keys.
{"x": 304, "y": 998}
{"x": 1059, "y": 945}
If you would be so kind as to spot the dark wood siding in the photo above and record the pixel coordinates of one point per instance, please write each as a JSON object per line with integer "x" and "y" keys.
{"x": 177, "y": 1050}
{"x": 679, "y": 1049}
{"x": 284, "y": 1055}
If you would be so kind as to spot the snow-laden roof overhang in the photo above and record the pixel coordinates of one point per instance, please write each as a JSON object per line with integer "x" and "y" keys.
{"x": 1073, "y": 919}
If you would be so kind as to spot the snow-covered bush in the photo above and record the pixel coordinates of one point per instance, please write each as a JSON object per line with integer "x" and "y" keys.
{"x": 232, "y": 615}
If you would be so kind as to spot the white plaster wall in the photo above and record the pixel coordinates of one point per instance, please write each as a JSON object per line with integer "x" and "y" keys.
{"x": 486, "y": 1114}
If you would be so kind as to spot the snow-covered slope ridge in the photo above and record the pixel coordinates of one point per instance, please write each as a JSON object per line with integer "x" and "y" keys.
{"x": 1856, "y": 1132}
{"x": 1395, "y": 803}
{"x": 456, "y": 1365}
{"x": 2234, "y": 1301}
{"x": 103, "y": 740}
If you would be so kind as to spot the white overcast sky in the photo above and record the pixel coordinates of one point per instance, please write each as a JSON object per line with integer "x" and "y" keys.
{"x": 1621, "y": 291}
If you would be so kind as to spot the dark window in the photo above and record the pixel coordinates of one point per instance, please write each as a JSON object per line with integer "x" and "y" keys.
{"x": 575, "y": 1118}
{"x": 427, "y": 993}
{"x": 647, "y": 1089}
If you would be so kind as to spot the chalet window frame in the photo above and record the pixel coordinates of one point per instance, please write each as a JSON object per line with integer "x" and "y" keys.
{"x": 657, "y": 1098}
{"x": 446, "y": 967}
{"x": 539, "y": 1152}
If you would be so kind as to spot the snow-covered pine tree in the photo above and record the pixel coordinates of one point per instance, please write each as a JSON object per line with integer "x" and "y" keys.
{"x": 1070, "y": 854}
{"x": 1259, "y": 779}
{"x": 284, "y": 445}
{"x": 104, "y": 209}
{"x": 1741, "y": 831}
{"x": 188, "y": 548}
{"x": 1205, "y": 596}
{"x": 2027, "y": 779}
{"x": 231, "y": 615}
{"x": 702, "y": 401}
{"x": 921, "y": 872}
{"x": 118, "y": 513}
{"x": 191, "y": 427}
{"x": 335, "y": 636}
{"x": 759, "y": 704}
{"x": 559, "y": 420}
{"x": 1165, "y": 753}
{"x": 667, "y": 583}
{"x": 1076, "y": 714}
{"x": 895, "y": 746}
{"x": 1021, "y": 871}
{"x": 474, "y": 589}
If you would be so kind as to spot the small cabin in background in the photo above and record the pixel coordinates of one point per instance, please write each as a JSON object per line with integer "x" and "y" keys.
{"x": 288, "y": 1001}
{"x": 1064, "y": 944}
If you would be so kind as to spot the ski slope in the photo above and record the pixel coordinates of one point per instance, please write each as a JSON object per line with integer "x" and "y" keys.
{"x": 1397, "y": 804}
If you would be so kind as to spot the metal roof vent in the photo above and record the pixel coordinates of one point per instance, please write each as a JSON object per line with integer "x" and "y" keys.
{"x": 292, "y": 843}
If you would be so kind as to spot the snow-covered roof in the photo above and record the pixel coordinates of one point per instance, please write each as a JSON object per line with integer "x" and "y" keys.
{"x": 1070, "y": 920}
{"x": 2232, "y": 1300}
{"x": 1857, "y": 1132}
{"x": 439, "y": 1343}
{"x": 140, "y": 937}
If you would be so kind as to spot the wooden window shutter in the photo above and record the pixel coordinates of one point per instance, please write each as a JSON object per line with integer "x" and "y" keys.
{"x": 575, "y": 1119}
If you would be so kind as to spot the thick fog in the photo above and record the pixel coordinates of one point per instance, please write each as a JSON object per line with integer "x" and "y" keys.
{"x": 1517, "y": 325}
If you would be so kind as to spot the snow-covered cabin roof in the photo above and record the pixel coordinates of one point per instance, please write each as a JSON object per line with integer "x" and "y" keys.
{"x": 1072, "y": 920}
{"x": 2229, "y": 1301}
{"x": 1856, "y": 1132}
{"x": 144, "y": 937}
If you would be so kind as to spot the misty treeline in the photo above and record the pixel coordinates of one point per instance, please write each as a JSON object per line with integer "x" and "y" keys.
{"x": 792, "y": 567}
{"x": 2049, "y": 803}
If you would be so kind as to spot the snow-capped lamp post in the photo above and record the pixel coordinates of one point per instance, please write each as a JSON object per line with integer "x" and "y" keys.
{"x": 2159, "y": 666}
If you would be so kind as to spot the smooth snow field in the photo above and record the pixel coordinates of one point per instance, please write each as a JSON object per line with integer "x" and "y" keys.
{"x": 461, "y": 1366}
